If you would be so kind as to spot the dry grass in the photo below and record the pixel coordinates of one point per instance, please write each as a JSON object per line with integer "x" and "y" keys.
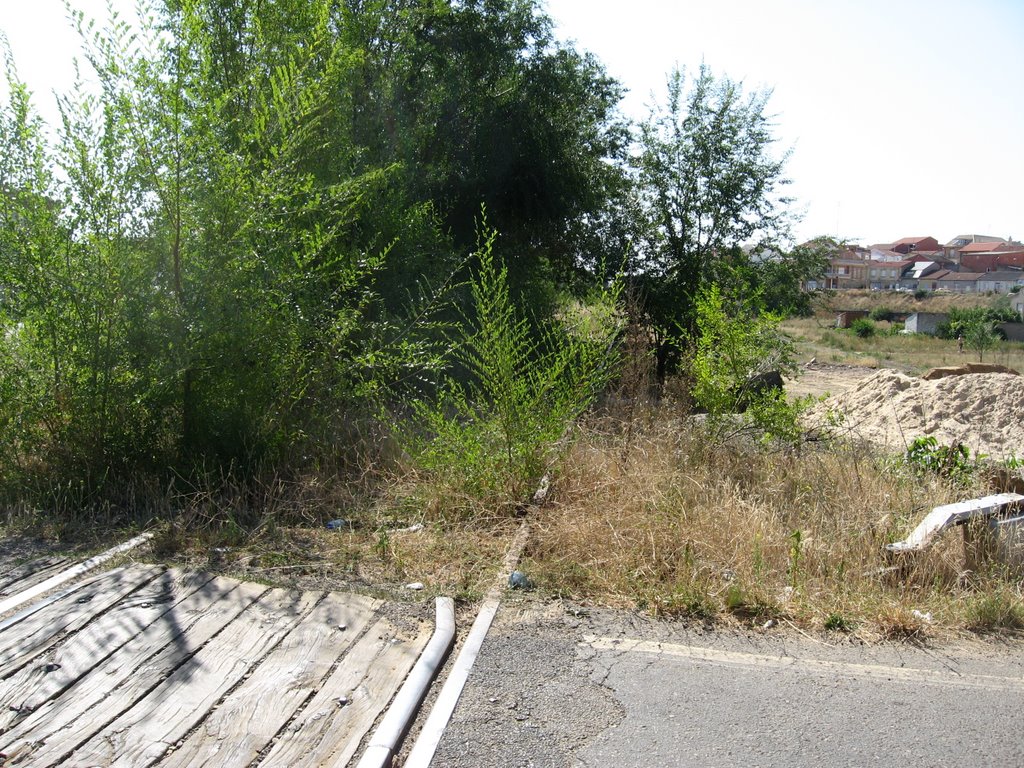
{"x": 645, "y": 513}
{"x": 363, "y": 558}
{"x": 899, "y": 301}
{"x": 675, "y": 525}
{"x": 276, "y": 531}
{"x": 818, "y": 338}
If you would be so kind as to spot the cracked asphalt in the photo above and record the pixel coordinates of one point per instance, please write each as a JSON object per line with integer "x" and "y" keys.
{"x": 560, "y": 686}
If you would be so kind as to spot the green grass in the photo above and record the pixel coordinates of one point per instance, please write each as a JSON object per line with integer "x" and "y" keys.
{"x": 913, "y": 353}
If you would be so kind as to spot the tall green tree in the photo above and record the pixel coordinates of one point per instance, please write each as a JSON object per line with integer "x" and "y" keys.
{"x": 709, "y": 183}
{"x": 481, "y": 105}
{"x": 254, "y": 196}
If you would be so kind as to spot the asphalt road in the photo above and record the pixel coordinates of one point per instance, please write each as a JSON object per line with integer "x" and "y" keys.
{"x": 558, "y": 687}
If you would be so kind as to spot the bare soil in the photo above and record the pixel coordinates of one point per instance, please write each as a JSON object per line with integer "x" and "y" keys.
{"x": 824, "y": 379}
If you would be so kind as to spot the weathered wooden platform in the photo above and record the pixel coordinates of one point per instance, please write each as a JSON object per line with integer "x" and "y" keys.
{"x": 149, "y": 666}
{"x": 17, "y": 578}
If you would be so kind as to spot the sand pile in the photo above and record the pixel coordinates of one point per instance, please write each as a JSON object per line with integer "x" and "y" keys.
{"x": 984, "y": 411}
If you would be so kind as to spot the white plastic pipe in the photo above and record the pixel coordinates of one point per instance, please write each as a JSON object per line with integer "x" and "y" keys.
{"x": 84, "y": 567}
{"x": 426, "y": 744}
{"x": 403, "y": 709}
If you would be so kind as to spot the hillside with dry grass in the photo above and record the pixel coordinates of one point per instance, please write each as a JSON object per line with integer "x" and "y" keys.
{"x": 899, "y": 301}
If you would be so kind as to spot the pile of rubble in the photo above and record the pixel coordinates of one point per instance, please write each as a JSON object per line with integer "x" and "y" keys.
{"x": 983, "y": 411}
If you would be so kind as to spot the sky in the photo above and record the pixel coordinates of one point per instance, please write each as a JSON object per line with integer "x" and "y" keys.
{"x": 904, "y": 117}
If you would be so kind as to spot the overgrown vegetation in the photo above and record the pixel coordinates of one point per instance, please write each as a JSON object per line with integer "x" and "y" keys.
{"x": 863, "y": 327}
{"x": 952, "y": 462}
{"x": 492, "y": 438}
{"x": 255, "y": 230}
{"x": 686, "y": 526}
{"x": 739, "y": 358}
{"x": 247, "y": 290}
{"x": 961, "y": 321}
{"x": 818, "y": 338}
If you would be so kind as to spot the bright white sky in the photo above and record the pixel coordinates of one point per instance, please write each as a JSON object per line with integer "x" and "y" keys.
{"x": 905, "y": 117}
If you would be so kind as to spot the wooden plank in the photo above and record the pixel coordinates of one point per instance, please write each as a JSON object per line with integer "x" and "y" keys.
{"x": 22, "y": 576}
{"x": 72, "y": 659}
{"x": 61, "y": 724}
{"x": 327, "y": 732}
{"x": 24, "y": 641}
{"x": 73, "y": 572}
{"x": 143, "y": 733}
{"x": 941, "y": 518}
{"x": 248, "y": 720}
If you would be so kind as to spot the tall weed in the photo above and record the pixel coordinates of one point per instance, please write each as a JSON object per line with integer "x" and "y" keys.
{"x": 491, "y": 438}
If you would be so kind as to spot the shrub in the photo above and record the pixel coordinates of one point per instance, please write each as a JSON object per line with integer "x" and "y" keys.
{"x": 952, "y": 462}
{"x": 882, "y": 314}
{"x": 491, "y": 439}
{"x": 981, "y": 335}
{"x": 731, "y": 351}
{"x": 863, "y": 328}
{"x": 961, "y": 321}
{"x": 920, "y": 294}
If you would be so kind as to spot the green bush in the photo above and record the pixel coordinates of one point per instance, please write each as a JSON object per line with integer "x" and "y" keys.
{"x": 882, "y": 314}
{"x": 863, "y": 328}
{"x": 961, "y": 321}
{"x": 733, "y": 346}
{"x": 952, "y": 462}
{"x": 490, "y": 440}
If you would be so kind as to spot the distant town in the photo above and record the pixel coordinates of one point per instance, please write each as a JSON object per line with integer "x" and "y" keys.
{"x": 966, "y": 264}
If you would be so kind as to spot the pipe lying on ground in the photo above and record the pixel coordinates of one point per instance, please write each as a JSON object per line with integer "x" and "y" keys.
{"x": 403, "y": 709}
{"x": 84, "y": 567}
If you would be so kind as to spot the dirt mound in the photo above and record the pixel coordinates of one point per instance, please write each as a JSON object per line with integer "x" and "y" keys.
{"x": 963, "y": 370}
{"x": 984, "y": 411}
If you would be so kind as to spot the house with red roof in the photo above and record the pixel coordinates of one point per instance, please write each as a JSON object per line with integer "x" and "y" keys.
{"x": 906, "y": 245}
{"x": 988, "y": 257}
{"x": 953, "y": 247}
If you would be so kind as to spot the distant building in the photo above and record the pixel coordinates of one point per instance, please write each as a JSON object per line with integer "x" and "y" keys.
{"x": 930, "y": 282}
{"x": 1017, "y": 302}
{"x": 908, "y": 245}
{"x": 921, "y": 263}
{"x": 960, "y": 282}
{"x": 925, "y": 322}
{"x": 847, "y": 269}
{"x": 953, "y": 248}
{"x": 847, "y": 318}
{"x": 1000, "y": 282}
{"x": 885, "y": 275}
{"x": 988, "y": 257}
{"x": 913, "y": 274}
{"x": 885, "y": 252}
